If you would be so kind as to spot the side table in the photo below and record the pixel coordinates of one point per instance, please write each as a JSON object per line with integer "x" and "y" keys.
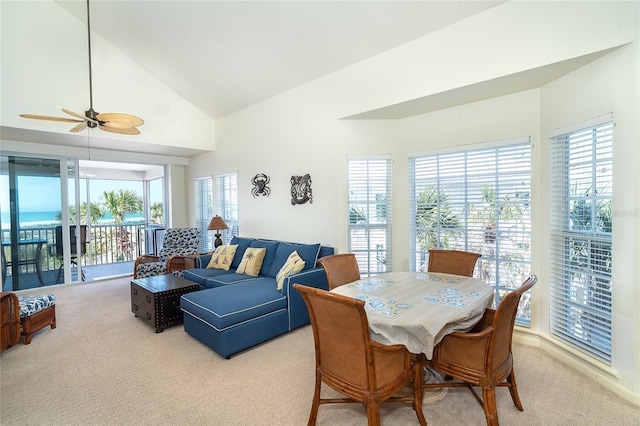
{"x": 157, "y": 299}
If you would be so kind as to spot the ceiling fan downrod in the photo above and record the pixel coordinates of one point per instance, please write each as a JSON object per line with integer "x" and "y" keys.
{"x": 90, "y": 75}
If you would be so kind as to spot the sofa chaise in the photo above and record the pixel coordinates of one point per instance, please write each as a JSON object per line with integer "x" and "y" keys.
{"x": 237, "y": 308}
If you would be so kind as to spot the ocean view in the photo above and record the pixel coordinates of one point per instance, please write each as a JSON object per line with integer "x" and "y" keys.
{"x": 48, "y": 218}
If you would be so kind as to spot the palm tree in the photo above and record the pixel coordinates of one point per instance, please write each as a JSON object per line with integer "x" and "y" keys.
{"x": 121, "y": 203}
{"x": 494, "y": 210}
{"x": 156, "y": 213}
{"x": 436, "y": 222}
{"x": 96, "y": 211}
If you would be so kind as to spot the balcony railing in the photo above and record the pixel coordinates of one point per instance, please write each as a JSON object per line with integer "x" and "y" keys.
{"x": 106, "y": 244}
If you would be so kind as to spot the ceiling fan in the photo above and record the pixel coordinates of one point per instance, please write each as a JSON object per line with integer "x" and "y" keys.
{"x": 110, "y": 122}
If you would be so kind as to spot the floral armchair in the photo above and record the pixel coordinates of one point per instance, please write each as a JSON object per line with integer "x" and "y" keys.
{"x": 176, "y": 243}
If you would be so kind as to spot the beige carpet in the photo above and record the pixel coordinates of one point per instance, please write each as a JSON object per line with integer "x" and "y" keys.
{"x": 103, "y": 366}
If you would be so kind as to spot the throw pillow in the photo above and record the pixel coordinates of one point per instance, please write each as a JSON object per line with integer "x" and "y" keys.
{"x": 222, "y": 257}
{"x": 251, "y": 261}
{"x": 293, "y": 265}
{"x": 308, "y": 253}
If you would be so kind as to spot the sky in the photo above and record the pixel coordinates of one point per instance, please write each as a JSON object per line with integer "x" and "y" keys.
{"x": 43, "y": 193}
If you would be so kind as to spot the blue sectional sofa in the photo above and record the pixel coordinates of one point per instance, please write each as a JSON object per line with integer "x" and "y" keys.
{"x": 234, "y": 311}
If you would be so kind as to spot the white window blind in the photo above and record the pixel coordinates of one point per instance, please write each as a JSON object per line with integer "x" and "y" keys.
{"x": 204, "y": 212}
{"x": 581, "y": 224}
{"x": 226, "y": 205}
{"x": 476, "y": 200}
{"x": 369, "y": 214}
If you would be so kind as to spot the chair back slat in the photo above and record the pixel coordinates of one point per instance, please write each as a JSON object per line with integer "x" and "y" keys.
{"x": 452, "y": 262}
{"x": 340, "y": 269}
{"x": 341, "y": 332}
{"x": 350, "y": 362}
{"x": 504, "y": 321}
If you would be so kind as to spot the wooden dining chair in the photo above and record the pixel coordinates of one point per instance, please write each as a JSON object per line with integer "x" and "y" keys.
{"x": 348, "y": 361}
{"x": 340, "y": 269}
{"x": 453, "y": 262}
{"x": 482, "y": 357}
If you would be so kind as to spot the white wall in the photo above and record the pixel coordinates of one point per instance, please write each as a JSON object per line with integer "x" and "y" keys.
{"x": 177, "y": 186}
{"x": 300, "y": 132}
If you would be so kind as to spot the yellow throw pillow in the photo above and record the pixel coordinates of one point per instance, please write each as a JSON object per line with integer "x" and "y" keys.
{"x": 251, "y": 261}
{"x": 222, "y": 257}
{"x": 293, "y": 265}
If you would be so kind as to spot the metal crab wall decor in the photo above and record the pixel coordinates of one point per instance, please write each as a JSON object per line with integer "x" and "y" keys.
{"x": 301, "y": 189}
{"x": 260, "y": 187}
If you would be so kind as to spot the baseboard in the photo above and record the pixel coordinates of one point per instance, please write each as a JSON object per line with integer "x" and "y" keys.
{"x": 600, "y": 373}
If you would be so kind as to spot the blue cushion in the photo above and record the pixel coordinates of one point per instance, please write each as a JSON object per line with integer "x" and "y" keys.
{"x": 226, "y": 279}
{"x": 308, "y": 253}
{"x": 272, "y": 247}
{"x": 200, "y": 275}
{"x": 228, "y": 306}
{"x": 243, "y": 244}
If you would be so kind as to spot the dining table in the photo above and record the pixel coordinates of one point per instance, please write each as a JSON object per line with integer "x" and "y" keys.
{"x": 417, "y": 309}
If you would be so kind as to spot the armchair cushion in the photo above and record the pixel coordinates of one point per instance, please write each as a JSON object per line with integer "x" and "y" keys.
{"x": 151, "y": 269}
{"x": 179, "y": 242}
{"x": 175, "y": 242}
{"x": 29, "y": 305}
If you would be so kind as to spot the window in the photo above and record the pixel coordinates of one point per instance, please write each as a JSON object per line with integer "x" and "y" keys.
{"x": 476, "y": 200}
{"x": 204, "y": 213}
{"x": 156, "y": 201}
{"x": 581, "y": 224}
{"x": 227, "y": 204}
{"x": 370, "y": 213}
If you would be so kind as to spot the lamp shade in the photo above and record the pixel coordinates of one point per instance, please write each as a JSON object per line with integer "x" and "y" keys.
{"x": 216, "y": 224}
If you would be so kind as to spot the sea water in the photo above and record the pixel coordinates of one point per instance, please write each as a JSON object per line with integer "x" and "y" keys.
{"x": 48, "y": 218}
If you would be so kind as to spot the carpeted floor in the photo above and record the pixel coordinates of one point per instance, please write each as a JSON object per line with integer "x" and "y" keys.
{"x": 103, "y": 366}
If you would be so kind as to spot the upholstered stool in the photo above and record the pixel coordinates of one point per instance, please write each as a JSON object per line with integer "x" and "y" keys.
{"x": 36, "y": 313}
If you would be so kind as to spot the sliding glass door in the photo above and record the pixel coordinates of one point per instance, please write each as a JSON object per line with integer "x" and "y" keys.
{"x": 36, "y": 246}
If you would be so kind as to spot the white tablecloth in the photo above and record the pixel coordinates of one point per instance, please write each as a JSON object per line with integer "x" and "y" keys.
{"x": 418, "y": 309}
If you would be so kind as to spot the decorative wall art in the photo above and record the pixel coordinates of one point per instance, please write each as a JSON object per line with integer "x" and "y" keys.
{"x": 301, "y": 189}
{"x": 260, "y": 187}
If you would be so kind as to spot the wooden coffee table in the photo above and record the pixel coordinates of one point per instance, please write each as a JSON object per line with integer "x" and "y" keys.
{"x": 157, "y": 299}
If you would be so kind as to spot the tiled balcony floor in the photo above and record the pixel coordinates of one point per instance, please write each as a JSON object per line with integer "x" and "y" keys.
{"x": 91, "y": 273}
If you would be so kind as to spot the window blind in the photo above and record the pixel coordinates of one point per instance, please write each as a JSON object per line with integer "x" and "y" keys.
{"x": 226, "y": 205}
{"x": 581, "y": 225}
{"x": 369, "y": 214}
{"x": 475, "y": 200}
{"x": 204, "y": 212}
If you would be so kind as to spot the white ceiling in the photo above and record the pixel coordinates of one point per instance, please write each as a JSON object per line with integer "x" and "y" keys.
{"x": 223, "y": 56}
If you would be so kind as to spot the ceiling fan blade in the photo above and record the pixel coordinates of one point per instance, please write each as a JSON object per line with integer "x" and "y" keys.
{"x": 46, "y": 117}
{"x": 121, "y": 130}
{"x": 120, "y": 120}
{"x": 79, "y": 127}
{"x": 75, "y": 114}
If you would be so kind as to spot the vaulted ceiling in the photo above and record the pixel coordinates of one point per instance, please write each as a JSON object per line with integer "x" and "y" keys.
{"x": 223, "y": 56}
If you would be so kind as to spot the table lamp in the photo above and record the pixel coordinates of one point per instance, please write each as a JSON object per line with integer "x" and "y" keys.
{"x": 216, "y": 224}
